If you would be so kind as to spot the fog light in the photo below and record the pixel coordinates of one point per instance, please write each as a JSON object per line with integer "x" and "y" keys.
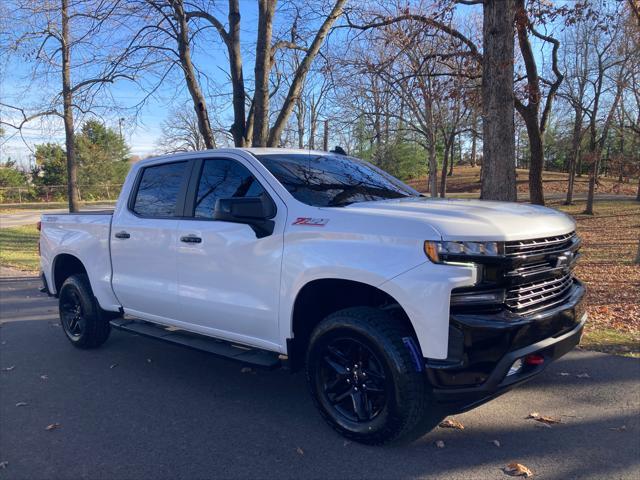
{"x": 515, "y": 368}
{"x": 534, "y": 359}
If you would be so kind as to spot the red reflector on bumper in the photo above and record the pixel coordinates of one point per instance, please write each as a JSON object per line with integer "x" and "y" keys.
{"x": 534, "y": 359}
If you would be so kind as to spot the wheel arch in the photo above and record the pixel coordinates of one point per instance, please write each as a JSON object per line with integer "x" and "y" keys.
{"x": 63, "y": 266}
{"x": 320, "y": 297}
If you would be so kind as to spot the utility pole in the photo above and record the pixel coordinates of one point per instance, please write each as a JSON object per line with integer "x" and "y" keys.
{"x": 325, "y": 139}
{"x": 120, "y": 121}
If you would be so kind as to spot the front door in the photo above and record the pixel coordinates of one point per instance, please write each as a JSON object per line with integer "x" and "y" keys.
{"x": 144, "y": 240}
{"x": 228, "y": 279}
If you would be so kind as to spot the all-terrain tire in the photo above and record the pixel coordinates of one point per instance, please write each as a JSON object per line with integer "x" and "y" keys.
{"x": 85, "y": 324}
{"x": 407, "y": 411}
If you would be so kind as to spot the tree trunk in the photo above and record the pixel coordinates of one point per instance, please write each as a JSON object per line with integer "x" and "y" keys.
{"x": 536, "y": 161}
{"x": 474, "y": 146}
{"x": 67, "y": 96}
{"x": 433, "y": 169}
{"x": 184, "y": 51}
{"x": 238, "y": 129}
{"x": 448, "y": 151}
{"x": 300, "y": 118}
{"x": 592, "y": 183}
{"x": 266, "y": 11}
{"x": 498, "y": 148}
{"x": 312, "y": 128}
{"x": 573, "y": 155}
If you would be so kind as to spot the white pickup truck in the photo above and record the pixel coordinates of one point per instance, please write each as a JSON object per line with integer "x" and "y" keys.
{"x": 402, "y": 309}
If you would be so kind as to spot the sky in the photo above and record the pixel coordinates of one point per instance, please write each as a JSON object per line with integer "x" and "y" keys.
{"x": 20, "y": 87}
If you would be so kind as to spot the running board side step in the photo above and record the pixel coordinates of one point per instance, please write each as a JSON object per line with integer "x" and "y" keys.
{"x": 221, "y": 348}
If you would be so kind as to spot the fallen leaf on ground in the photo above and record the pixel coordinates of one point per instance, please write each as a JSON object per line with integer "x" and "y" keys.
{"x": 53, "y": 426}
{"x": 564, "y": 374}
{"x": 299, "y": 450}
{"x": 113, "y": 365}
{"x": 496, "y": 442}
{"x": 583, "y": 375}
{"x": 346, "y": 442}
{"x": 4, "y": 464}
{"x": 439, "y": 443}
{"x": 619, "y": 429}
{"x": 542, "y": 419}
{"x": 44, "y": 377}
{"x": 21, "y": 404}
{"x": 246, "y": 370}
{"x": 517, "y": 470}
{"x": 8, "y": 369}
{"x": 451, "y": 423}
{"x": 148, "y": 360}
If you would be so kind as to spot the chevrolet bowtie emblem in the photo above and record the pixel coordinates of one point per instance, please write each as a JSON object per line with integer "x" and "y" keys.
{"x": 564, "y": 260}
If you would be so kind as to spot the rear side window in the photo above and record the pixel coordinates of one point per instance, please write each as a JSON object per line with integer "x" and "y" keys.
{"x": 223, "y": 179}
{"x": 158, "y": 191}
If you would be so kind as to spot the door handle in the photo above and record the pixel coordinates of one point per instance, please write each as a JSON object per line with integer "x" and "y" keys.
{"x": 122, "y": 235}
{"x": 191, "y": 239}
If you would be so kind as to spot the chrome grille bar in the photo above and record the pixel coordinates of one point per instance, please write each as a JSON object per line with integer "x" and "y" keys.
{"x": 539, "y": 245}
{"x": 529, "y": 295}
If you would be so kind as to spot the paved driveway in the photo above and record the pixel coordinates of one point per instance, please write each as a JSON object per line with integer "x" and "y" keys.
{"x": 138, "y": 408}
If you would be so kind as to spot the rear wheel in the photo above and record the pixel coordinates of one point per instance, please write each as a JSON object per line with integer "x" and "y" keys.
{"x": 85, "y": 324}
{"x": 365, "y": 380}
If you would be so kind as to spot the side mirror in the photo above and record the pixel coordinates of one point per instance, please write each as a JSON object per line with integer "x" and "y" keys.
{"x": 256, "y": 212}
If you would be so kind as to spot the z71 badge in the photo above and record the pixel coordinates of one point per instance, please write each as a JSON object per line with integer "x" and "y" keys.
{"x": 311, "y": 222}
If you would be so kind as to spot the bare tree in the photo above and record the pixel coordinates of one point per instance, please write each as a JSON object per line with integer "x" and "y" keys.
{"x": 67, "y": 41}
{"x": 181, "y": 133}
{"x": 535, "y": 121}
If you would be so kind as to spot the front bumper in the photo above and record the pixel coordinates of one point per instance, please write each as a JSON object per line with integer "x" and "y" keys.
{"x": 483, "y": 348}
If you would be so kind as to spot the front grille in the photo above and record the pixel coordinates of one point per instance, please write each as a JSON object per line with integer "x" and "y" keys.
{"x": 533, "y": 297}
{"x": 540, "y": 245}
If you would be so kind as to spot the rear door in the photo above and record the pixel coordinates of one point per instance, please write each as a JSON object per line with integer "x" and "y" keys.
{"x": 143, "y": 243}
{"x": 228, "y": 279}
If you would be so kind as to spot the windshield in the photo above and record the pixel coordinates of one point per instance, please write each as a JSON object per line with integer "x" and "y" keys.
{"x": 333, "y": 180}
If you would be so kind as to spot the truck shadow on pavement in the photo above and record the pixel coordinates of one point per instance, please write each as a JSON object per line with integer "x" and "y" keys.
{"x": 139, "y": 408}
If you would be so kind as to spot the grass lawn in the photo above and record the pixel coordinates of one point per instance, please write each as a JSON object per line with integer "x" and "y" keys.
{"x": 19, "y": 248}
{"x": 613, "y": 281}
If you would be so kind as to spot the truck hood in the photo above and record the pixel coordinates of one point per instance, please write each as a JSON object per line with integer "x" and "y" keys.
{"x": 461, "y": 219}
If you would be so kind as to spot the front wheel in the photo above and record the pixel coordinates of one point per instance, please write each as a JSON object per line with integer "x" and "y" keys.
{"x": 85, "y": 324}
{"x": 365, "y": 380}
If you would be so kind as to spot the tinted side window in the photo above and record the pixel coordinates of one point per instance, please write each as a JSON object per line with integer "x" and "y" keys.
{"x": 223, "y": 179}
{"x": 158, "y": 190}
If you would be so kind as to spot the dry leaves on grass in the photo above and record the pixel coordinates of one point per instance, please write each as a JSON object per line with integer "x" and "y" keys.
{"x": 496, "y": 443}
{"x": 517, "y": 470}
{"x": 53, "y": 426}
{"x": 300, "y": 451}
{"x": 543, "y": 419}
{"x": 439, "y": 444}
{"x": 451, "y": 423}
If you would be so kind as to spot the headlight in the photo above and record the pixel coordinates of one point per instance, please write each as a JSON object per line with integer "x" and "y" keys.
{"x": 438, "y": 252}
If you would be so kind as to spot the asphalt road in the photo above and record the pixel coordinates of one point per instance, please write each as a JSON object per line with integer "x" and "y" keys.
{"x": 138, "y": 408}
